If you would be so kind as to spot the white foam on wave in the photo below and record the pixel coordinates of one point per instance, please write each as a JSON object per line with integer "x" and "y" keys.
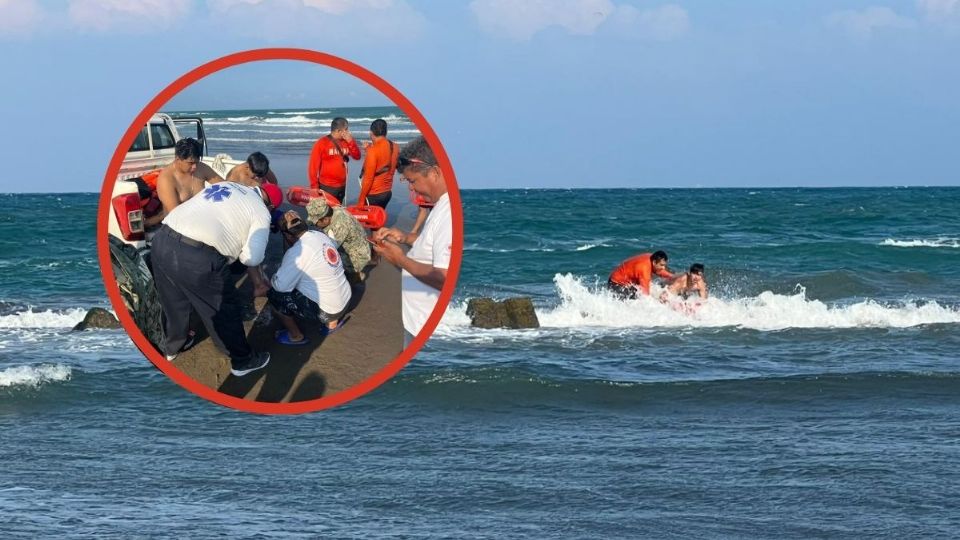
{"x": 34, "y": 375}
{"x": 297, "y": 113}
{"x": 937, "y": 243}
{"x": 240, "y": 118}
{"x": 241, "y": 139}
{"x": 591, "y": 246}
{"x": 592, "y": 307}
{"x": 43, "y": 319}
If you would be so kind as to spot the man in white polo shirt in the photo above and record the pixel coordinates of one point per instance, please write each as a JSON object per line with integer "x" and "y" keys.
{"x": 191, "y": 256}
{"x": 310, "y": 283}
{"x": 425, "y": 265}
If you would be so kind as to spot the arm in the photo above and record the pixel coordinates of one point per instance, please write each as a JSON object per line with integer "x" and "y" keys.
{"x": 352, "y": 149}
{"x": 369, "y": 166}
{"x": 702, "y": 289}
{"x": 421, "y": 217}
{"x": 313, "y": 167}
{"x": 255, "y": 247}
{"x": 207, "y": 174}
{"x": 289, "y": 273}
{"x": 432, "y": 276}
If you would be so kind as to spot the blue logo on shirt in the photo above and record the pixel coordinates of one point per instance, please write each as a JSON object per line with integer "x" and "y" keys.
{"x": 216, "y": 193}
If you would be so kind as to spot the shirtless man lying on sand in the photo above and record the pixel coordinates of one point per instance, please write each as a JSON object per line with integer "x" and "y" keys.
{"x": 182, "y": 179}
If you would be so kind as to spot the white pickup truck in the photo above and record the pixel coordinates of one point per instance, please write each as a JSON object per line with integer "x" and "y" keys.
{"x": 152, "y": 150}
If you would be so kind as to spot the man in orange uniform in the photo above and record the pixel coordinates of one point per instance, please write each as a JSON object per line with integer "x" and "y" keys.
{"x": 327, "y": 169}
{"x": 637, "y": 272}
{"x": 376, "y": 183}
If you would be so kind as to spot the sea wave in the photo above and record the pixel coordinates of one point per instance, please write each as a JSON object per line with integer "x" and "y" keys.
{"x": 592, "y": 307}
{"x": 294, "y": 113}
{"x": 34, "y": 375}
{"x": 241, "y": 139}
{"x": 936, "y": 243}
{"x": 66, "y": 318}
{"x": 495, "y": 386}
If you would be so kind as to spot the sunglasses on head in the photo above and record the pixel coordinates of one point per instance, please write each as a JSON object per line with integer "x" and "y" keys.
{"x": 405, "y": 162}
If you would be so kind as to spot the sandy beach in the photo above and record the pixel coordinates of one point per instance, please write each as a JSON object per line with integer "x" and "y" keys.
{"x": 372, "y": 336}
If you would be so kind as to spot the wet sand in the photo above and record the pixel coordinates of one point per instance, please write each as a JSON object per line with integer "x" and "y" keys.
{"x": 369, "y": 340}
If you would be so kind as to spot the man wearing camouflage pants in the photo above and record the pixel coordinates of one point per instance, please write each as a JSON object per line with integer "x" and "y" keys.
{"x": 346, "y": 232}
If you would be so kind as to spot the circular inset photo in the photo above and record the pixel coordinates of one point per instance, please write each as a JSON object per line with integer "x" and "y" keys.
{"x": 280, "y": 231}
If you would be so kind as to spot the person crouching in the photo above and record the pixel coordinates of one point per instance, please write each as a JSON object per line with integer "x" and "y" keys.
{"x": 310, "y": 284}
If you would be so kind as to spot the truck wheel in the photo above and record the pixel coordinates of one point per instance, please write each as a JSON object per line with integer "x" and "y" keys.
{"x": 136, "y": 288}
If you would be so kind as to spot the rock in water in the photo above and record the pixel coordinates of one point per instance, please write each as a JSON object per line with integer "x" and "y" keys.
{"x": 510, "y": 313}
{"x": 97, "y": 318}
{"x": 520, "y": 313}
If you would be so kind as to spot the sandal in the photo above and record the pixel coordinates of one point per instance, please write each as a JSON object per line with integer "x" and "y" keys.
{"x": 326, "y": 330}
{"x": 283, "y": 337}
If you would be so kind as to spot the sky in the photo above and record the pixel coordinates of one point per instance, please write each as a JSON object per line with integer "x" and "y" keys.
{"x": 562, "y": 93}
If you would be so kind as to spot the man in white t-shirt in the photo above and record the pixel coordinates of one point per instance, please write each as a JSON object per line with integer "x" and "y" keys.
{"x": 192, "y": 253}
{"x": 310, "y": 283}
{"x": 425, "y": 265}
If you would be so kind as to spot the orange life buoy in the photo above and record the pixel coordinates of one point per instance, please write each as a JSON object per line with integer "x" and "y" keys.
{"x": 371, "y": 217}
{"x": 302, "y": 195}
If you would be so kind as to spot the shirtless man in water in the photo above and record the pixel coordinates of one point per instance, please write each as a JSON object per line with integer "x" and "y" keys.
{"x": 185, "y": 177}
{"x": 687, "y": 283}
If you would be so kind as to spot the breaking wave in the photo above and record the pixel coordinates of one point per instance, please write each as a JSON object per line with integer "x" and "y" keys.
{"x": 592, "y": 306}
{"x": 937, "y": 243}
{"x": 34, "y": 375}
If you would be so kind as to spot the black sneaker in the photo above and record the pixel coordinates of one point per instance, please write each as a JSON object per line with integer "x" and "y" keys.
{"x": 255, "y": 362}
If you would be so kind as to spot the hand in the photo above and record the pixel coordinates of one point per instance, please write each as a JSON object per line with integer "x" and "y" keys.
{"x": 347, "y": 136}
{"x": 366, "y": 144}
{"x": 389, "y": 251}
{"x": 388, "y": 233}
{"x": 261, "y": 289}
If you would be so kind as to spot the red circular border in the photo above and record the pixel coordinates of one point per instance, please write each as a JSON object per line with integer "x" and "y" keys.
{"x": 103, "y": 245}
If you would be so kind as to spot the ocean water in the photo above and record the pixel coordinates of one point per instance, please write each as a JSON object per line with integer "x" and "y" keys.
{"x": 815, "y": 394}
{"x": 286, "y": 136}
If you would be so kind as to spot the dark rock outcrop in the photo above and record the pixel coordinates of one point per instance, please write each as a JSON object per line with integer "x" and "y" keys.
{"x": 97, "y": 318}
{"x": 510, "y": 313}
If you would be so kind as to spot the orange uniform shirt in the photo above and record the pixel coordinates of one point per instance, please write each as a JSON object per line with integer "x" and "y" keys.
{"x": 378, "y": 158}
{"x": 637, "y": 271}
{"x": 326, "y": 165}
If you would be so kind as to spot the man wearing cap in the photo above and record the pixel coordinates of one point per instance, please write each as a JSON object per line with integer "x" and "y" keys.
{"x": 425, "y": 265}
{"x": 192, "y": 253}
{"x": 346, "y": 232}
{"x": 310, "y": 284}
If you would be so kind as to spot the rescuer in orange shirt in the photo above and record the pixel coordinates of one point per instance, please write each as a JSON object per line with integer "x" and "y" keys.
{"x": 637, "y": 272}
{"x": 376, "y": 182}
{"x": 327, "y": 169}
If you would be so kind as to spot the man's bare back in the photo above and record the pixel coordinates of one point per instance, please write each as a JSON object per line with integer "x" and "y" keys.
{"x": 242, "y": 174}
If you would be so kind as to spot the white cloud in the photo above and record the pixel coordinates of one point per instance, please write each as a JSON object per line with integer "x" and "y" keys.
{"x": 521, "y": 20}
{"x": 281, "y": 20}
{"x": 661, "y": 23}
{"x": 19, "y": 17}
{"x": 938, "y": 10}
{"x": 863, "y": 23}
{"x": 127, "y": 15}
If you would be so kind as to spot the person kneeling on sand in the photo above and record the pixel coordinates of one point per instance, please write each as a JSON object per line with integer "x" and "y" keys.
{"x": 346, "y": 232}
{"x": 687, "y": 283}
{"x": 310, "y": 283}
